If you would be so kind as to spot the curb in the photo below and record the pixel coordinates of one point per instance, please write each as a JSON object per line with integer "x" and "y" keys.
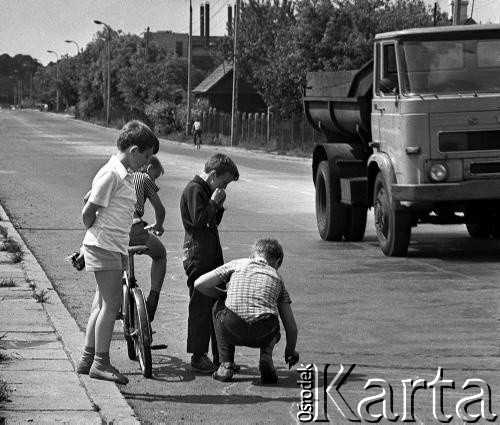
{"x": 105, "y": 396}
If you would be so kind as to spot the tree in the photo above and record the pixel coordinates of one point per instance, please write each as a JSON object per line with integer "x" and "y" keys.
{"x": 280, "y": 41}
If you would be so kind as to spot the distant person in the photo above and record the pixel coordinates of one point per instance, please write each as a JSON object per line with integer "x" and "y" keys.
{"x": 256, "y": 296}
{"x": 202, "y": 208}
{"x": 107, "y": 216}
{"x": 197, "y": 133}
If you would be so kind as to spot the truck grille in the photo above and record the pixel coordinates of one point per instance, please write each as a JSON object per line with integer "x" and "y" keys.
{"x": 469, "y": 141}
{"x": 485, "y": 168}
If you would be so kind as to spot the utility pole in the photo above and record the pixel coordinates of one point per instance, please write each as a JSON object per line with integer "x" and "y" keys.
{"x": 57, "y": 78}
{"x": 188, "y": 115}
{"x": 108, "y": 96}
{"x": 234, "y": 107}
{"x": 147, "y": 44}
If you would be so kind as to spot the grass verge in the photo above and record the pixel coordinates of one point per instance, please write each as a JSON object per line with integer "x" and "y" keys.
{"x": 7, "y": 283}
{"x": 5, "y": 389}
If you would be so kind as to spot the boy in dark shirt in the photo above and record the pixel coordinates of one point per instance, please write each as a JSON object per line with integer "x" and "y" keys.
{"x": 202, "y": 208}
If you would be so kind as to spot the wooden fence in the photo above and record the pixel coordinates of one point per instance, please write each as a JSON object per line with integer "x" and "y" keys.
{"x": 270, "y": 132}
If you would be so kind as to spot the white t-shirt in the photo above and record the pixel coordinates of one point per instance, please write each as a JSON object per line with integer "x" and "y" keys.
{"x": 113, "y": 190}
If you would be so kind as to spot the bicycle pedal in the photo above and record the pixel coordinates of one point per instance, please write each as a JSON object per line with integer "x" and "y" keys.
{"x": 159, "y": 347}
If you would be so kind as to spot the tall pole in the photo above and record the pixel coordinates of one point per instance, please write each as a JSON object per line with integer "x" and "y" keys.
{"x": 57, "y": 78}
{"x": 234, "y": 106}
{"x": 188, "y": 115}
{"x": 109, "y": 78}
{"x": 21, "y": 91}
{"x": 108, "y": 95}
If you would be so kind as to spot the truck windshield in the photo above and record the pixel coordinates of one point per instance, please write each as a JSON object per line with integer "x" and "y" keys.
{"x": 451, "y": 66}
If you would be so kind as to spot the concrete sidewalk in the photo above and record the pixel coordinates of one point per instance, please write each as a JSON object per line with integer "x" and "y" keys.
{"x": 43, "y": 344}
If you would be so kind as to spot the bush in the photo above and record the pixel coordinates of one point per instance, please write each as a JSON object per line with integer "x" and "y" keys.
{"x": 162, "y": 115}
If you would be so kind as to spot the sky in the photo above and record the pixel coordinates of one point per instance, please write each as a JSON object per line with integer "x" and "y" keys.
{"x": 32, "y": 27}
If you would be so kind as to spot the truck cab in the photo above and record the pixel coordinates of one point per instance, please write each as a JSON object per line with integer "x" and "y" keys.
{"x": 428, "y": 149}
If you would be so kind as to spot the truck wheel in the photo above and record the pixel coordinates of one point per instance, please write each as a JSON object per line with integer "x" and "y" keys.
{"x": 393, "y": 227}
{"x": 356, "y": 223}
{"x": 479, "y": 230}
{"x": 330, "y": 213}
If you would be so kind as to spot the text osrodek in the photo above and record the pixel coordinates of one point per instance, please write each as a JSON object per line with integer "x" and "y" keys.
{"x": 316, "y": 397}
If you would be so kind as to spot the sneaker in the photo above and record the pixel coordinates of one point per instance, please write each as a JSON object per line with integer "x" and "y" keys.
{"x": 202, "y": 364}
{"x": 267, "y": 373}
{"x": 224, "y": 373}
{"x": 84, "y": 365}
{"x": 107, "y": 373}
{"x": 236, "y": 367}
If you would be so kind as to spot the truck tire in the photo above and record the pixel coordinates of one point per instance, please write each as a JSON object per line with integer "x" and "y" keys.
{"x": 393, "y": 227}
{"x": 330, "y": 213}
{"x": 479, "y": 230}
{"x": 356, "y": 223}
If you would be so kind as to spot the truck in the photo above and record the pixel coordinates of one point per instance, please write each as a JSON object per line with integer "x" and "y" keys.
{"x": 413, "y": 134}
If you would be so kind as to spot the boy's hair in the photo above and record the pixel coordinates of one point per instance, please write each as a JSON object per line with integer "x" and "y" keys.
{"x": 221, "y": 164}
{"x": 270, "y": 249}
{"x": 156, "y": 164}
{"x": 136, "y": 133}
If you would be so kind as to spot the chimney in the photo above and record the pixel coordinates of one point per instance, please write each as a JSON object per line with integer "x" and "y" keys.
{"x": 229, "y": 20}
{"x": 202, "y": 20}
{"x": 463, "y": 10}
{"x": 207, "y": 24}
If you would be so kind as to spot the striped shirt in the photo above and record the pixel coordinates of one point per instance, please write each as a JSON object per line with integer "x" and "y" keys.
{"x": 254, "y": 288}
{"x": 145, "y": 188}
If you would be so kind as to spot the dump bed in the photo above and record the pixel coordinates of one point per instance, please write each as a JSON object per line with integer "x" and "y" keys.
{"x": 338, "y": 104}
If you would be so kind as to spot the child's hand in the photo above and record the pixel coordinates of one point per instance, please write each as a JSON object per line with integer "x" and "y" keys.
{"x": 291, "y": 358}
{"x": 156, "y": 229}
{"x": 219, "y": 196}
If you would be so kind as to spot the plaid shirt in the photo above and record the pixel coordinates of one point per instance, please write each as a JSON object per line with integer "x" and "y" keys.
{"x": 254, "y": 288}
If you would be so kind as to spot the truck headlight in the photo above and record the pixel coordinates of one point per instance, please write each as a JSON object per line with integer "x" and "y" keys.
{"x": 438, "y": 172}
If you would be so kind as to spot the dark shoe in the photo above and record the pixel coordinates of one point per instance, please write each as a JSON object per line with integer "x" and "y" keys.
{"x": 267, "y": 373}
{"x": 202, "y": 364}
{"x": 107, "y": 373}
{"x": 236, "y": 367}
{"x": 84, "y": 365}
{"x": 224, "y": 373}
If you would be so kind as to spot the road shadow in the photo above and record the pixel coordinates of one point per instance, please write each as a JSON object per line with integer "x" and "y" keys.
{"x": 171, "y": 369}
{"x": 453, "y": 249}
{"x": 211, "y": 399}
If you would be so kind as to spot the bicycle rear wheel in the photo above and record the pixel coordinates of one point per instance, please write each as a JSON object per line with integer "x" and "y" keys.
{"x": 142, "y": 332}
{"x": 127, "y": 320}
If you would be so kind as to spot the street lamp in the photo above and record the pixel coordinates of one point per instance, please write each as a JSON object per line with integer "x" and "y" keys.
{"x": 76, "y": 44}
{"x": 109, "y": 72}
{"x": 57, "y": 78}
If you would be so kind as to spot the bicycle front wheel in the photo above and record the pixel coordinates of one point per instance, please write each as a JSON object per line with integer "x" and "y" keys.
{"x": 142, "y": 333}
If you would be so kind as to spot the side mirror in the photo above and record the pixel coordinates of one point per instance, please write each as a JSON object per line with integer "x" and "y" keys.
{"x": 386, "y": 86}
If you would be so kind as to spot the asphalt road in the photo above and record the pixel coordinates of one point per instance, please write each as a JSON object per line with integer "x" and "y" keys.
{"x": 395, "y": 318}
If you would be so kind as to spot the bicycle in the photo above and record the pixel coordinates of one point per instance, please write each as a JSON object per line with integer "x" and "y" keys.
{"x": 134, "y": 317}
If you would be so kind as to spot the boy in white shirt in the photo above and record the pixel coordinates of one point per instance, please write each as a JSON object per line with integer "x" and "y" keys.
{"x": 107, "y": 216}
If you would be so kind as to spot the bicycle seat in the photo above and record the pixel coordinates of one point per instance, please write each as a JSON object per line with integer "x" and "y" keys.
{"x": 137, "y": 249}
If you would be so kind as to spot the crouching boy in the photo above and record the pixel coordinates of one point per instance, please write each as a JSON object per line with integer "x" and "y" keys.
{"x": 256, "y": 296}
